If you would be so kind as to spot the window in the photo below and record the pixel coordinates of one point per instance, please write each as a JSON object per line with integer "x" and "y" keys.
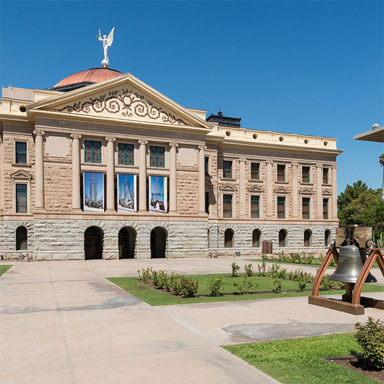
{"x": 325, "y": 175}
{"x": 21, "y": 198}
{"x": 305, "y": 208}
{"x": 255, "y": 171}
{"x": 125, "y": 154}
{"x": 325, "y": 209}
{"x": 327, "y": 238}
{"x": 207, "y": 202}
{"x": 307, "y": 238}
{"x": 21, "y": 239}
{"x": 227, "y": 169}
{"x": 206, "y": 166}
{"x": 92, "y": 151}
{"x": 21, "y": 153}
{"x": 305, "y": 174}
{"x": 282, "y": 238}
{"x": 281, "y": 207}
{"x": 280, "y": 172}
{"x": 255, "y": 206}
{"x": 228, "y": 238}
{"x": 227, "y": 206}
{"x": 256, "y": 234}
{"x": 156, "y": 157}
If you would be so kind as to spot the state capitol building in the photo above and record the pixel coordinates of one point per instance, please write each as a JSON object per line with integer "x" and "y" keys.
{"x": 102, "y": 166}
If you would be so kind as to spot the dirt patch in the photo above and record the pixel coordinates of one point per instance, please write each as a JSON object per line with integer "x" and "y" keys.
{"x": 352, "y": 363}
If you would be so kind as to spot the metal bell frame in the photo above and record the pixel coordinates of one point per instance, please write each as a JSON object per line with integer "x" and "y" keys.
{"x": 351, "y": 302}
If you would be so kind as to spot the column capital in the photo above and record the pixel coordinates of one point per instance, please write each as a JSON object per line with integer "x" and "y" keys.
{"x": 202, "y": 147}
{"x": 269, "y": 162}
{"x": 76, "y": 136}
{"x": 173, "y": 144}
{"x": 319, "y": 166}
{"x": 143, "y": 142}
{"x": 110, "y": 138}
{"x": 242, "y": 159}
{"x": 38, "y": 132}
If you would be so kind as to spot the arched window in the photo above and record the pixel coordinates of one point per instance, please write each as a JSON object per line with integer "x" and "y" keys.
{"x": 256, "y": 234}
{"x": 228, "y": 238}
{"x": 327, "y": 238}
{"x": 93, "y": 243}
{"x": 307, "y": 238}
{"x": 158, "y": 242}
{"x": 127, "y": 242}
{"x": 282, "y": 238}
{"x": 21, "y": 239}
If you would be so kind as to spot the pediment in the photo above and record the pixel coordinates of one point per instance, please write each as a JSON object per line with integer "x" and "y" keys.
{"x": 228, "y": 188}
{"x": 327, "y": 192}
{"x": 21, "y": 175}
{"x": 256, "y": 188}
{"x": 282, "y": 190}
{"x": 306, "y": 191}
{"x": 123, "y": 99}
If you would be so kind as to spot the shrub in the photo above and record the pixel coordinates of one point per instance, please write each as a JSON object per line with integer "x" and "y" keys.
{"x": 215, "y": 287}
{"x": 276, "y": 284}
{"x": 189, "y": 287}
{"x": 302, "y": 284}
{"x": 175, "y": 283}
{"x": 248, "y": 268}
{"x": 325, "y": 284}
{"x": 235, "y": 269}
{"x": 262, "y": 268}
{"x": 146, "y": 274}
{"x": 246, "y": 287}
{"x": 370, "y": 337}
{"x": 159, "y": 279}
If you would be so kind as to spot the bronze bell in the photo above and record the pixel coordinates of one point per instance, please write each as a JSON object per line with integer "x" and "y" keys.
{"x": 349, "y": 265}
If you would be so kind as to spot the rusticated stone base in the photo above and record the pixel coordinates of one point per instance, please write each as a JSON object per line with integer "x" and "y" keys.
{"x": 64, "y": 239}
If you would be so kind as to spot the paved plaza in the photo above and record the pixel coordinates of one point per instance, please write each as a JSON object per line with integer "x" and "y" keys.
{"x": 63, "y": 322}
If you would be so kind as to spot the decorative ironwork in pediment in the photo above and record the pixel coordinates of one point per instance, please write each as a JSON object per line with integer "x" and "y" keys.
{"x": 123, "y": 102}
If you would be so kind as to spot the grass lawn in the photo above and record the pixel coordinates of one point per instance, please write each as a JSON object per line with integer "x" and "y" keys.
{"x": 4, "y": 268}
{"x": 315, "y": 263}
{"x": 298, "y": 361}
{"x": 156, "y": 297}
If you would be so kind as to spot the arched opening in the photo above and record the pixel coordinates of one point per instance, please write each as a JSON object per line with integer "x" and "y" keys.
{"x": 256, "y": 234}
{"x": 228, "y": 238}
{"x": 307, "y": 238}
{"x": 21, "y": 239}
{"x": 327, "y": 238}
{"x": 93, "y": 243}
{"x": 127, "y": 242}
{"x": 158, "y": 242}
{"x": 282, "y": 238}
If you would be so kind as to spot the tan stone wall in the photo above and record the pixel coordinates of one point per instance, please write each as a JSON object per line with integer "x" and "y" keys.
{"x": 187, "y": 192}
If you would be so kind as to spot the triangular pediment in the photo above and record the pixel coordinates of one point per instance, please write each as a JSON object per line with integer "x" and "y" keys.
{"x": 306, "y": 191}
{"x": 282, "y": 190}
{"x": 327, "y": 192}
{"x": 227, "y": 188}
{"x": 21, "y": 175}
{"x": 123, "y": 99}
{"x": 256, "y": 189}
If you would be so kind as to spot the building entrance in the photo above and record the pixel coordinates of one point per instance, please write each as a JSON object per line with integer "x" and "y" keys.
{"x": 93, "y": 243}
{"x": 127, "y": 242}
{"x": 158, "y": 242}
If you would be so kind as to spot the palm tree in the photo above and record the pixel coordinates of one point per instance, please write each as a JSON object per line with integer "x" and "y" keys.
{"x": 381, "y": 161}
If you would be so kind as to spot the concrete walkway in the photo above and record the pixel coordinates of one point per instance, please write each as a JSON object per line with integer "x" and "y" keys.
{"x": 62, "y": 322}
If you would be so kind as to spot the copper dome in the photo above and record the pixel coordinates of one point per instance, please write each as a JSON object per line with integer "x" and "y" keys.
{"x": 94, "y": 75}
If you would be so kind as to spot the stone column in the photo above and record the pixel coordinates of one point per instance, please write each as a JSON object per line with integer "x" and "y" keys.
{"x": 334, "y": 193}
{"x": 295, "y": 195}
{"x": 39, "y": 169}
{"x": 143, "y": 176}
{"x": 269, "y": 189}
{"x": 172, "y": 179}
{"x": 76, "y": 171}
{"x": 242, "y": 188}
{"x": 110, "y": 174}
{"x": 319, "y": 196}
{"x": 202, "y": 149}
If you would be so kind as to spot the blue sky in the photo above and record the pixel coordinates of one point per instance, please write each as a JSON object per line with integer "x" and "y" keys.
{"x": 310, "y": 67}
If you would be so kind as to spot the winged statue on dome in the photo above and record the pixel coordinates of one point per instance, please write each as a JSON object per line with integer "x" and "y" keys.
{"x": 107, "y": 42}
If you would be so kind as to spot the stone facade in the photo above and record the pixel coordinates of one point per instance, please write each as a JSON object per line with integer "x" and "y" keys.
{"x": 54, "y": 125}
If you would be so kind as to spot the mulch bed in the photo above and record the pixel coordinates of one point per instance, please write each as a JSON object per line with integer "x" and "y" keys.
{"x": 352, "y": 363}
